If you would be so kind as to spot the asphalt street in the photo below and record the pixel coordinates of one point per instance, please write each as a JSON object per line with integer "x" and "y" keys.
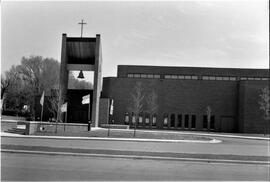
{"x": 228, "y": 146}
{"x": 29, "y": 167}
{"x": 46, "y": 167}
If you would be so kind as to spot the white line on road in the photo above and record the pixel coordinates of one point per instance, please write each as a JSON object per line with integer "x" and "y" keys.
{"x": 138, "y": 157}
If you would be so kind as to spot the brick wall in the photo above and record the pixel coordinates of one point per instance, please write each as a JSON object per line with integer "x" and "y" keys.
{"x": 250, "y": 116}
{"x": 177, "y": 97}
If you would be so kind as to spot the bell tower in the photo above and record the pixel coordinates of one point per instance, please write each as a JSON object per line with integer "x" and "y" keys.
{"x": 81, "y": 54}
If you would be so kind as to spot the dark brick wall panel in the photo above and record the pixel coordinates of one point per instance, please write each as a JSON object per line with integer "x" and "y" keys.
{"x": 176, "y": 97}
{"x": 250, "y": 116}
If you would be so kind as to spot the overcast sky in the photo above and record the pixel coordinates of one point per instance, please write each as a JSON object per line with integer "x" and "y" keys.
{"x": 182, "y": 33}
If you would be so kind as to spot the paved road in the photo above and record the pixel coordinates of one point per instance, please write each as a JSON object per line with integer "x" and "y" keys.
{"x": 228, "y": 146}
{"x": 26, "y": 167}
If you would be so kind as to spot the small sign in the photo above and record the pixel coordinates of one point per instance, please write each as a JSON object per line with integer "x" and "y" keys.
{"x": 64, "y": 107}
{"x": 86, "y": 99}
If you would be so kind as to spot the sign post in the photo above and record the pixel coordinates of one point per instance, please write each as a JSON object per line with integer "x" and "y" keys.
{"x": 64, "y": 109}
{"x": 110, "y": 117}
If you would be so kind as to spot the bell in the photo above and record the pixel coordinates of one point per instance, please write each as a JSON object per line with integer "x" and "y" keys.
{"x": 81, "y": 75}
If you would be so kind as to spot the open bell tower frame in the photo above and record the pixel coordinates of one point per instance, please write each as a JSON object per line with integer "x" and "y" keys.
{"x": 81, "y": 53}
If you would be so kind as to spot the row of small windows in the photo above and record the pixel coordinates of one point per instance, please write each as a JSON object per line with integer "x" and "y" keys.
{"x": 182, "y": 121}
{"x": 231, "y": 78}
{"x": 184, "y": 77}
{"x": 194, "y": 77}
{"x": 253, "y": 78}
{"x": 131, "y": 119}
{"x": 135, "y": 75}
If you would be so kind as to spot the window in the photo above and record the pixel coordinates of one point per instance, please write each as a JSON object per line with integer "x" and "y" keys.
{"x": 243, "y": 78}
{"x": 188, "y": 77}
{"x": 167, "y": 76}
{"x": 174, "y": 76}
{"x": 147, "y": 119}
{"x": 126, "y": 118}
{"x": 172, "y": 120}
{"x": 257, "y": 78}
{"x": 140, "y": 119}
{"x": 194, "y": 77}
{"x": 225, "y": 78}
{"x": 154, "y": 122}
{"x": 156, "y": 76}
{"x": 130, "y": 75}
{"x": 136, "y": 75}
{"x": 150, "y": 76}
{"x": 218, "y": 78}
{"x": 181, "y": 76}
{"x": 212, "y": 123}
{"x": 186, "y": 121}
{"x": 179, "y": 121}
{"x": 250, "y": 78}
{"x": 232, "y": 78}
{"x": 143, "y": 75}
{"x": 212, "y": 78}
{"x": 205, "y": 77}
{"x": 165, "y": 120}
{"x": 193, "y": 121}
{"x": 265, "y": 78}
{"x": 133, "y": 118}
{"x": 205, "y": 123}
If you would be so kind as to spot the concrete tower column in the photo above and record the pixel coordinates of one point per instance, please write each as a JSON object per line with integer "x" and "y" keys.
{"x": 63, "y": 84}
{"x": 97, "y": 81}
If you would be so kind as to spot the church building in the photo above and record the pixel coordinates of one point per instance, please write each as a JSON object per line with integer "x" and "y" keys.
{"x": 188, "y": 98}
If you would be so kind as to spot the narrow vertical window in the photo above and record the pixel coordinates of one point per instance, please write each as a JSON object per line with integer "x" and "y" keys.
{"x": 193, "y": 121}
{"x": 186, "y": 121}
{"x": 154, "y": 121}
{"x": 165, "y": 120}
{"x": 133, "y": 118}
{"x": 172, "y": 120}
{"x": 179, "y": 121}
{"x": 205, "y": 123}
{"x": 126, "y": 118}
{"x": 212, "y": 123}
{"x": 140, "y": 119}
{"x": 147, "y": 120}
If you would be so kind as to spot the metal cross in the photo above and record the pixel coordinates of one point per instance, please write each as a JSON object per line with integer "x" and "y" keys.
{"x": 82, "y": 23}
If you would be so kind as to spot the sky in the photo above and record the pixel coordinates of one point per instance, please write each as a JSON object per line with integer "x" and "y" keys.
{"x": 231, "y": 33}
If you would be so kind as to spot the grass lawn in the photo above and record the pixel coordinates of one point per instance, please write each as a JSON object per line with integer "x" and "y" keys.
{"x": 128, "y": 134}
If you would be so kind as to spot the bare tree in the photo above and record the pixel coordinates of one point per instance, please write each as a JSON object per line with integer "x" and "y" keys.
{"x": 53, "y": 102}
{"x": 7, "y": 80}
{"x": 22, "y": 83}
{"x": 137, "y": 97}
{"x": 208, "y": 112}
{"x": 152, "y": 104}
{"x": 264, "y": 103}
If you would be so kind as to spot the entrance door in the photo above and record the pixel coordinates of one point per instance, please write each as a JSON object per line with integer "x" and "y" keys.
{"x": 227, "y": 124}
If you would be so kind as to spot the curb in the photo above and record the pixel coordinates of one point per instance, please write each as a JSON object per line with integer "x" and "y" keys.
{"x": 207, "y": 134}
{"x": 213, "y": 141}
{"x": 138, "y": 157}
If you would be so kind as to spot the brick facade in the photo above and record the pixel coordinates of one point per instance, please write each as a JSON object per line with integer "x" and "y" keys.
{"x": 185, "y": 93}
